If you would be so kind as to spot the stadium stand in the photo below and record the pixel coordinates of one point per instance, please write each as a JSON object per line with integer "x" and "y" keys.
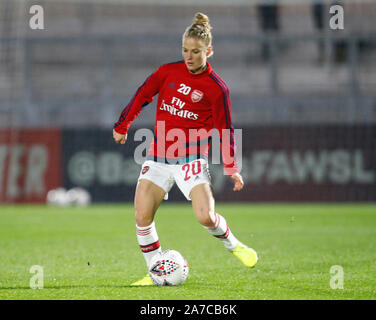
{"x": 87, "y": 63}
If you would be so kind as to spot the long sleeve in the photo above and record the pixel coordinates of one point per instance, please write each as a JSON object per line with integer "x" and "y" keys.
{"x": 223, "y": 123}
{"x": 143, "y": 96}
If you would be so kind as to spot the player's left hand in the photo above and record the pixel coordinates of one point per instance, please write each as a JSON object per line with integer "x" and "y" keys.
{"x": 238, "y": 180}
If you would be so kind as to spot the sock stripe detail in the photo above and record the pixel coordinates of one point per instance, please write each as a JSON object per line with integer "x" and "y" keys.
{"x": 150, "y": 247}
{"x": 143, "y": 233}
{"x": 216, "y": 222}
{"x": 225, "y": 235}
{"x": 146, "y": 229}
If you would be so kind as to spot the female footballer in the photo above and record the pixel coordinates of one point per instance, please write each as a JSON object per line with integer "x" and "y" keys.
{"x": 191, "y": 96}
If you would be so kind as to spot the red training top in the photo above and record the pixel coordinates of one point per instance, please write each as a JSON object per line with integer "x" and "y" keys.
{"x": 186, "y": 103}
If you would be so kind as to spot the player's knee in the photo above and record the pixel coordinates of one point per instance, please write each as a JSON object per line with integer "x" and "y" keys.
{"x": 205, "y": 217}
{"x": 143, "y": 218}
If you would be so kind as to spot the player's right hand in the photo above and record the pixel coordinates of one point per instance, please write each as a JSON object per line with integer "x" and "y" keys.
{"x": 238, "y": 181}
{"x": 118, "y": 137}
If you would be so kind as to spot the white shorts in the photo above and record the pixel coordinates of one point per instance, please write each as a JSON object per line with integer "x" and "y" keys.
{"x": 186, "y": 176}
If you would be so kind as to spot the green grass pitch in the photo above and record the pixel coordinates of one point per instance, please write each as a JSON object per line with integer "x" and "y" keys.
{"x": 92, "y": 253}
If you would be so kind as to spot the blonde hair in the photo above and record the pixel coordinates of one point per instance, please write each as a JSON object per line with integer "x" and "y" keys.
{"x": 200, "y": 29}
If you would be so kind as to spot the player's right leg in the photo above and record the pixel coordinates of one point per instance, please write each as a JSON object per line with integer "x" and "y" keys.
{"x": 154, "y": 182}
{"x": 148, "y": 198}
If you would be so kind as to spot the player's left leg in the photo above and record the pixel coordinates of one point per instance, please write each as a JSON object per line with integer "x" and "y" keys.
{"x": 193, "y": 179}
{"x": 203, "y": 208}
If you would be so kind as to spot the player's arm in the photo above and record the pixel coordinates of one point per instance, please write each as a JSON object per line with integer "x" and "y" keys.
{"x": 223, "y": 123}
{"x": 143, "y": 96}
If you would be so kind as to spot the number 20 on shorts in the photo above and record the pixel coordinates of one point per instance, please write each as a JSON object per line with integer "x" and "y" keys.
{"x": 191, "y": 169}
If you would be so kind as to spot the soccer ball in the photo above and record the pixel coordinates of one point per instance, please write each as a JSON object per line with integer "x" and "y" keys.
{"x": 168, "y": 268}
{"x": 79, "y": 196}
{"x": 57, "y": 197}
{"x": 63, "y": 198}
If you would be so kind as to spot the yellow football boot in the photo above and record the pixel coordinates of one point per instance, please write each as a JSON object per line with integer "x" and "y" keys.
{"x": 246, "y": 255}
{"x": 146, "y": 281}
